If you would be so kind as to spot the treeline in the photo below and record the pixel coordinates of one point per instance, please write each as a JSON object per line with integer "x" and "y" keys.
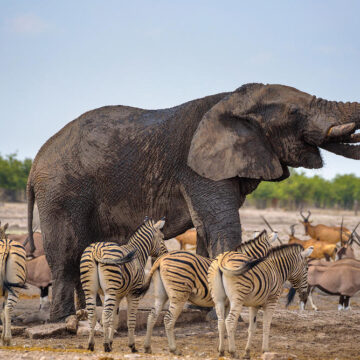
{"x": 14, "y": 172}
{"x": 299, "y": 190}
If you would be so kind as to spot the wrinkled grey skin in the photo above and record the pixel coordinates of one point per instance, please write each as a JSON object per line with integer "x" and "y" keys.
{"x": 98, "y": 177}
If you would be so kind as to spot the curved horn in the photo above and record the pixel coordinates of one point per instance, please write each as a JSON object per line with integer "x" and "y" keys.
{"x": 302, "y": 215}
{"x": 341, "y": 130}
{"x": 309, "y": 213}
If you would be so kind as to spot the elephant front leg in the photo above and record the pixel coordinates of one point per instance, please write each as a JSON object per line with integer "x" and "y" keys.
{"x": 62, "y": 304}
{"x": 214, "y": 210}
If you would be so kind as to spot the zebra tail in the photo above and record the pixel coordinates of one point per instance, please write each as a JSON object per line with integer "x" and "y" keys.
{"x": 120, "y": 260}
{"x": 9, "y": 286}
{"x": 241, "y": 269}
{"x": 290, "y": 296}
{"x": 145, "y": 287}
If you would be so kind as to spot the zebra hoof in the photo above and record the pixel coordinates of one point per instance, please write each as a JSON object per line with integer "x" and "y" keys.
{"x": 6, "y": 341}
{"x": 246, "y": 355}
{"x": 234, "y": 355}
{"x": 107, "y": 347}
{"x": 133, "y": 348}
{"x": 176, "y": 352}
{"x": 91, "y": 347}
{"x": 221, "y": 353}
{"x": 147, "y": 350}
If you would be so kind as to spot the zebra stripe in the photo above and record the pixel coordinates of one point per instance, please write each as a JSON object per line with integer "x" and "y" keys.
{"x": 12, "y": 278}
{"x": 256, "y": 283}
{"x": 181, "y": 276}
{"x": 118, "y": 271}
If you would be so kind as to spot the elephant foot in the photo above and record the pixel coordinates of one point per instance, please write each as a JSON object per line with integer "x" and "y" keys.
{"x": 175, "y": 352}
{"x": 133, "y": 348}
{"x": 147, "y": 350}
{"x": 91, "y": 347}
{"x": 107, "y": 347}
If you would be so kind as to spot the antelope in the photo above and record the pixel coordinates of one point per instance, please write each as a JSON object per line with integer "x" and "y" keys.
{"x": 338, "y": 278}
{"x": 39, "y": 275}
{"x": 328, "y": 234}
{"x": 321, "y": 249}
{"x": 188, "y": 237}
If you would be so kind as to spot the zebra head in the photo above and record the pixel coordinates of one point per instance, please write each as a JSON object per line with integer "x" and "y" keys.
{"x": 298, "y": 276}
{"x": 158, "y": 247}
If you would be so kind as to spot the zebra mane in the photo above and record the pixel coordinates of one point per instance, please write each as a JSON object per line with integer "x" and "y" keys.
{"x": 273, "y": 252}
{"x": 147, "y": 224}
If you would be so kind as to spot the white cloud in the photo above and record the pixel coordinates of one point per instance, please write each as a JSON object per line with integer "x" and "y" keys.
{"x": 26, "y": 24}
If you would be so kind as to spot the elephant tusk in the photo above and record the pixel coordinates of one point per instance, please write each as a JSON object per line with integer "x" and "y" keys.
{"x": 341, "y": 130}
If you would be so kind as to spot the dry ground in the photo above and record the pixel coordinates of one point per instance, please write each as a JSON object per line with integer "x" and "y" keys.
{"x": 326, "y": 334}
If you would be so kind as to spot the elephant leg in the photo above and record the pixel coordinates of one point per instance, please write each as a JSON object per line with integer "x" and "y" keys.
{"x": 62, "y": 304}
{"x": 214, "y": 209}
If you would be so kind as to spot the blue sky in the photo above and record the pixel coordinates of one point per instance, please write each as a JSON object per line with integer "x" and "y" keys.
{"x": 59, "y": 59}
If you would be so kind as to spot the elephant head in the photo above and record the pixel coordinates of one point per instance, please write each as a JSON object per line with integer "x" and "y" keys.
{"x": 258, "y": 130}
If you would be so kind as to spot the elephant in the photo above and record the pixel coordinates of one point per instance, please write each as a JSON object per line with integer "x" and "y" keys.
{"x": 98, "y": 177}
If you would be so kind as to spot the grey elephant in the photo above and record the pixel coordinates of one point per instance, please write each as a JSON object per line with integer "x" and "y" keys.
{"x": 98, "y": 177}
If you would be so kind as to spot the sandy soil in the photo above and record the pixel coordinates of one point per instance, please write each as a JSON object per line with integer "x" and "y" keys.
{"x": 326, "y": 334}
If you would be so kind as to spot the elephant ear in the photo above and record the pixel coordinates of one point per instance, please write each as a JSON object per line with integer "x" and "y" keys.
{"x": 229, "y": 142}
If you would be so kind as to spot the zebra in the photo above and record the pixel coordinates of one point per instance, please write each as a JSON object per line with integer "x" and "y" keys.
{"x": 117, "y": 271}
{"x": 12, "y": 278}
{"x": 255, "y": 283}
{"x": 181, "y": 276}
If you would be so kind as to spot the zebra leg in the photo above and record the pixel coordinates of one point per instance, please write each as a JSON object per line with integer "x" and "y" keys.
{"x": 160, "y": 299}
{"x": 220, "y": 313}
{"x": 90, "y": 308}
{"x": 231, "y": 324}
{"x": 108, "y": 318}
{"x": 115, "y": 321}
{"x": 10, "y": 303}
{"x": 252, "y": 327}
{"x": 267, "y": 317}
{"x": 175, "y": 308}
{"x": 133, "y": 303}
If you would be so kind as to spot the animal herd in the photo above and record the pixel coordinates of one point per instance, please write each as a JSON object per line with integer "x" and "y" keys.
{"x": 253, "y": 275}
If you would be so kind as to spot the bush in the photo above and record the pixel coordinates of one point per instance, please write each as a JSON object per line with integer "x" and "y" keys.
{"x": 14, "y": 172}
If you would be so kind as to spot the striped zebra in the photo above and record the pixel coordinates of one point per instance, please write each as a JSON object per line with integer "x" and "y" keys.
{"x": 12, "y": 278}
{"x": 117, "y": 271}
{"x": 181, "y": 276}
{"x": 255, "y": 283}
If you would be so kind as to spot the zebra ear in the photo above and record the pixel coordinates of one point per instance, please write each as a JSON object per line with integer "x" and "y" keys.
{"x": 306, "y": 253}
{"x": 6, "y": 226}
{"x": 159, "y": 225}
{"x": 273, "y": 236}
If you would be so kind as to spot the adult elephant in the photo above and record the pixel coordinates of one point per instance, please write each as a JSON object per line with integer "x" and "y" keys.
{"x": 98, "y": 177}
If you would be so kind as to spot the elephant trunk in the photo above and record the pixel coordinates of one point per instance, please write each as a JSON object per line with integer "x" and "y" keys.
{"x": 341, "y": 135}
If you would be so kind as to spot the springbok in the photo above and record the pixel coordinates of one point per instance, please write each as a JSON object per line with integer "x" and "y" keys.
{"x": 321, "y": 249}
{"x": 329, "y": 234}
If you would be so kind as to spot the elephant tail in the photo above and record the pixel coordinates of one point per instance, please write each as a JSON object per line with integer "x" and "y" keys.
{"x": 30, "y": 201}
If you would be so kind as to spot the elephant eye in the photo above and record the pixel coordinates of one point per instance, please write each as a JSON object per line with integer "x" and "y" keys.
{"x": 294, "y": 110}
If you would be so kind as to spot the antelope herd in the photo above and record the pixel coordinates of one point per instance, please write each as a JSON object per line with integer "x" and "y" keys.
{"x": 252, "y": 275}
